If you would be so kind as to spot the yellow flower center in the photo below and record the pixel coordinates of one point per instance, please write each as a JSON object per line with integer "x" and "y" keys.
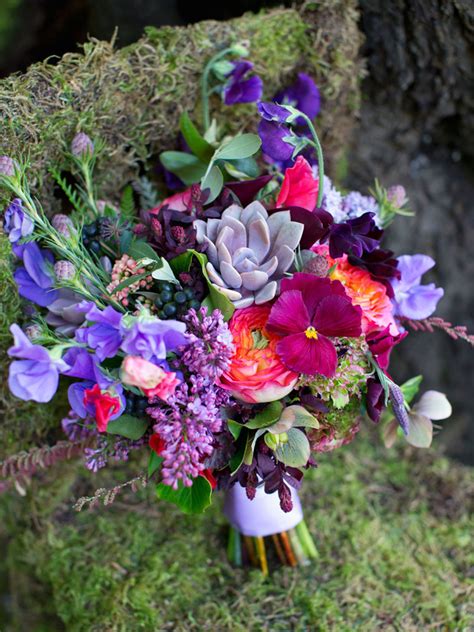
{"x": 311, "y": 333}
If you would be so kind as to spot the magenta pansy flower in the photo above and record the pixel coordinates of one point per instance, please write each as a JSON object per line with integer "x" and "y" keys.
{"x": 309, "y": 312}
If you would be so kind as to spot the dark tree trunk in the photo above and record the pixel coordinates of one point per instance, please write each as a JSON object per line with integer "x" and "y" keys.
{"x": 417, "y": 128}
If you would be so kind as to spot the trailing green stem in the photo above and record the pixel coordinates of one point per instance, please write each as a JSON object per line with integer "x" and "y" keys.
{"x": 319, "y": 152}
{"x": 206, "y": 118}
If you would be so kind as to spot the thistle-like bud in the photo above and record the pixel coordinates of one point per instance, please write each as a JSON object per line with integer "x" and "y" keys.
{"x": 82, "y": 145}
{"x": 318, "y": 266}
{"x": 63, "y": 224}
{"x": 64, "y": 270}
{"x": 7, "y": 166}
{"x": 396, "y": 195}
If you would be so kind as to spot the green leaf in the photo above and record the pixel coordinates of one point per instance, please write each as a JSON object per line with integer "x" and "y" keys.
{"x": 164, "y": 272}
{"x": 294, "y": 417}
{"x": 268, "y": 416}
{"x": 411, "y": 387}
{"x": 154, "y": 463}
{"x": 217, "y": 300}
{"x": 182, "y": 262}
{"x": 196, "y": 142}
{"x": 234, "y": 428}
{"x": 186, "y": 166}
{"x": 129, "y": 280}
{"x": 238, "y": 457}
{"x": 191, "y": 500}
{"x": 214, "y": 181}
{"x": 296, "y": 451}
{"x": 139, "y": 249}
{"x": 128, "y": 426}
{"x": 420, "y": 433}
{"x": 242, "y": 169}
{"x": 127, "y": 203}
{"x": 239, "y": 147}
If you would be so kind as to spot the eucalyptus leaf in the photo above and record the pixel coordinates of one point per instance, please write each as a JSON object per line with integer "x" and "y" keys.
{"x": 186, "y": 166}
{"x": 214, "y": 181}
{"x": 191, "y": 500}
{"x": 239, "y": 147}
{"x": 140, "y": 249}
{"x": 296, "y": 451}
{"x": 128, "y": 426}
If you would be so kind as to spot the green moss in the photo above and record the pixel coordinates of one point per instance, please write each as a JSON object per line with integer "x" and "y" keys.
{"x": 392, "y": 529}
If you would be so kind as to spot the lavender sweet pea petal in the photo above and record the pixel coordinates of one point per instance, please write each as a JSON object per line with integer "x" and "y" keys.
{"x": 419, "y": 302}
{"x": 23, "y": 347}
{"x": 75, "y": 394}
{"x": 272, "y": 136}
{"x": 30, "y": 380}
{"x": 36, "y": 263}
{"x": 412, "y": 268}
{"x": 152, "y": 340}
{"x": 28, "y": 289}
{"x": 273, "y": 112}
{"x": 17, "y": 224}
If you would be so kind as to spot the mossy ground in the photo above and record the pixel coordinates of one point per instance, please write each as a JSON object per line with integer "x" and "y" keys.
{"x": 392, "y": 528}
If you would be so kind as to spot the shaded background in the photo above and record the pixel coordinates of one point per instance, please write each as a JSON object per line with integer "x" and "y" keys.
{"x": 416, "y": 128}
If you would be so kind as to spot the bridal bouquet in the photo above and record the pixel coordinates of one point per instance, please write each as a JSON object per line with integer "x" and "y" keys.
{"x": 230, "y": 331}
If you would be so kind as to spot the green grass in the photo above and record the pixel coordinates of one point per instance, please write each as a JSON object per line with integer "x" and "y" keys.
{"x": 392, "y": 531}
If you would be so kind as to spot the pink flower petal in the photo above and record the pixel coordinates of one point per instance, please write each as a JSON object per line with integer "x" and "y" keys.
{"x": 288, "y": 315}
{"x": 313, "y": 289}
{"x": 299, "y": 187}
{"x": 336, "y": 316}
{"x": 308, "y": 355}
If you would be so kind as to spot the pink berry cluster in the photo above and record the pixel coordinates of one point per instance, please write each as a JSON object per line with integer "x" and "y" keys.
{"x": 124, "y": 268}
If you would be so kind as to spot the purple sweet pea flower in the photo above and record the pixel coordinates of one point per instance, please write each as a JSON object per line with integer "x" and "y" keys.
{"x": 273, "y": 137}
{"x": 104, "y": 335}
{"x": 35, "y": 280}
{"x": 411, "y": 299}
{"x": 355, "y": 236}
{"x": 303, "y": 95}
{"x": 153, "y": 339}
{"x": 36, "y": 375}
{"x": 76, "y": 398}
{"x": 241, "y": 90}
{"x": 16, "y": 222}
{"x": 273, "y": 112}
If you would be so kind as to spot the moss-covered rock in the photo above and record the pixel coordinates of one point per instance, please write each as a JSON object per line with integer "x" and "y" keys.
{"x": 392, "y": 530}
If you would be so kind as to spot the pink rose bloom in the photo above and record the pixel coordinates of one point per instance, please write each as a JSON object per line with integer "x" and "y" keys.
{"x": 300, "y": 187}
{"x": 177, "y": 202}
{"x": 256, "y": 374}
{"x": 152, "y": 379}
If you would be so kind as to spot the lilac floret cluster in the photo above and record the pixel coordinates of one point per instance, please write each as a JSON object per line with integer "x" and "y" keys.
{"x": 188, "y": 421}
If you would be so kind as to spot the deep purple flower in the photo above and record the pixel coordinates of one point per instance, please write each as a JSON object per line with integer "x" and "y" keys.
{"x": 273, "y": 112}
{"x": 35, "y": 278}
{"x": 35, "y": 376}
{"x": 303, "y": 94}
{"x": 354, "y": 237}
{"x": 153, "y": 339}
{"x": 238, "y": 89}
{"x": 246, "y": 190}
{"x": 411, "y": 299}
{"x": 104, "y": 335}
{"x": 381, "y": 264}
{"x": 274, "y": 139}
{"x": 16, "y": 222}
{"x": 316, "y": 223}
{"x": 375, "y": 400}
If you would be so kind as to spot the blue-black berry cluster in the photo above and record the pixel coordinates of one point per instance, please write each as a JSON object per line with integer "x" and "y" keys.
{"x": 173, "y": 301}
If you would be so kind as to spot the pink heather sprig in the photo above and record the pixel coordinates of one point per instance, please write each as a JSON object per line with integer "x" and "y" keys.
{"x": 455, "y": 332}
{"x": 186, "y": 424}
{"x": 210, "y": 345}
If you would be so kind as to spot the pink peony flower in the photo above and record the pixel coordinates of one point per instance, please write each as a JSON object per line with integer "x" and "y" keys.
{"x": 152, "y": 379}
{"x": 300, "y": 187}
{"x": 256, "y": 374}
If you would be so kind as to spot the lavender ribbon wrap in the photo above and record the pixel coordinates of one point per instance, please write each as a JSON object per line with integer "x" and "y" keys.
{"x": 261, "y": 516}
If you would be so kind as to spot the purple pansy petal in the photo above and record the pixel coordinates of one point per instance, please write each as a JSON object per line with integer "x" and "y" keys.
{"x": 313, "y": 289}
{"x": 289, "y": 303}
{"x": 336, "y": 316}
{"x": 308, "y": 355}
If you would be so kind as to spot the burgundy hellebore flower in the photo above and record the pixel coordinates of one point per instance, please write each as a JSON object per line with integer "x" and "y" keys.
{"x": 241, "y": 90}
{"x": 309, "y": 311}
{"x": 375, "y": 401}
